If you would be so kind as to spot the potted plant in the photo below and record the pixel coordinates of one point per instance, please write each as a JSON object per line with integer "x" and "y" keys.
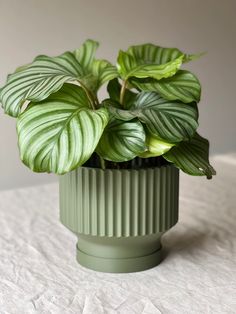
{"x": 118, "y": 159}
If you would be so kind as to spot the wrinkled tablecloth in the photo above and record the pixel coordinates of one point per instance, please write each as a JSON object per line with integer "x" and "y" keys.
{"x": 39, "y": 273}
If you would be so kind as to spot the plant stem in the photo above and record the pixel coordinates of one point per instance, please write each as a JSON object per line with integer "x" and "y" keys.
{"x": 90, "y": 96}
{"x": 122, "y": 92}
{"x": 96, "y": 101}
{"x": 102, "y": 163}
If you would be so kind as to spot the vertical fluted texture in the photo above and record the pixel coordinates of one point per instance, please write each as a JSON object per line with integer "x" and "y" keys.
{"x": 119, "y": 203}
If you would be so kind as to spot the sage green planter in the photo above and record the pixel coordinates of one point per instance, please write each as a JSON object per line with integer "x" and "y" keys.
{"x": 119, "y": 216}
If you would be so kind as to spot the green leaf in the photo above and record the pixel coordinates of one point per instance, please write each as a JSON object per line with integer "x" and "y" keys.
{"x": 149, "y": 53}
{"x": 85, "y": 55}
{"x": 153, "y": 61}
{"x": 193, "y": 57}
{"x": 170, "y": 121}
{"x": 128, "y": 67}
{"x": 155, "y": 147}
{"x": 61, "y": 132}
{"x": 192, "y": 157}
{"x": 122, "y": 141}
{"x": 182, "y": 86}
{"x": 102, "y": 72}
{"x": 114, "y": 89}
{"x": 38, "y": 80}
{"x": 116, "y": 110}
{"x": 97, "y": 72}
{"x": 46, "y": 75}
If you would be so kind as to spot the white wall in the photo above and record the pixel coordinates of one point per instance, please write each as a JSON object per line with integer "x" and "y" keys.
{"x": 31, "y": 27}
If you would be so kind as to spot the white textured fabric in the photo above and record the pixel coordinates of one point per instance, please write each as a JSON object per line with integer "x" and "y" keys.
{"x": 39, "y": 273}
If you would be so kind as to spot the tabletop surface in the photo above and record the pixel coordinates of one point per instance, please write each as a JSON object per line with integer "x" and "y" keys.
{"x": 39, "y": 273}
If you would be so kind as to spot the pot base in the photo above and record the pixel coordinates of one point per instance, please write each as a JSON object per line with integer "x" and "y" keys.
{"x": 112, "y": 256}
{"x": 119, "y": 265}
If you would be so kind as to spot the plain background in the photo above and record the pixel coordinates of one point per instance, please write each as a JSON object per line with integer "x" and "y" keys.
{"x": 30, "y": 27}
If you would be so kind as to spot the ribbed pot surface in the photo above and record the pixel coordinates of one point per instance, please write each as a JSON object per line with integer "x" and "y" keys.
{"x": 119, "y": 203}
{"x": 119, "y": 215}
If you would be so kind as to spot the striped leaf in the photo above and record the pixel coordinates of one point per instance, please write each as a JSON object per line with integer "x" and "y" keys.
{"x": 182, "y": 86}
{"x": 102, "y": 71}
{"x": 38, "y": 80}
{"x": 170, "y": 121}
{"x": 192, "y": 157}
{"x": 61, "y": 132}
{"x": 149, "y": 53}
{"x": 122, "y": 141}
{"x": 46, "y": 75}
{"x": 97, "y": 72}
{"x": 85, "y": 55}
{"x": 117, "y": 111}
{"x": 153, "y": 61}
{"x": 128, "y": 66}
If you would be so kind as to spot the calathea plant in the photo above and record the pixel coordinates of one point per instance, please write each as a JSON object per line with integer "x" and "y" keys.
{"x": 151, "y": 109}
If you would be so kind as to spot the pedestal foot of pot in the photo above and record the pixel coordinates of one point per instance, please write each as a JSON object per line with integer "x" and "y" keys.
{"x": 122, "y": 265}
{"x": 119, "y": 264}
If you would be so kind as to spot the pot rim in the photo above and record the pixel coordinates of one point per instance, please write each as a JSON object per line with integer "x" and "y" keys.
{"x": 126, "y": 170}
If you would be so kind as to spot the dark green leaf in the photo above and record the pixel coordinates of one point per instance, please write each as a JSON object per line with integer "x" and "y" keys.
{"x": 192, "y": 157}
{"x": 114, "y": 89}
{"x": 122, "y": 141}
{"x": 116, "y": 110}
{"x": 171, "y": 121}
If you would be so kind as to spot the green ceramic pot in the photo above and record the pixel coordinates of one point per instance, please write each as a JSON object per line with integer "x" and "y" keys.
{"x": 119, "y": 216}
